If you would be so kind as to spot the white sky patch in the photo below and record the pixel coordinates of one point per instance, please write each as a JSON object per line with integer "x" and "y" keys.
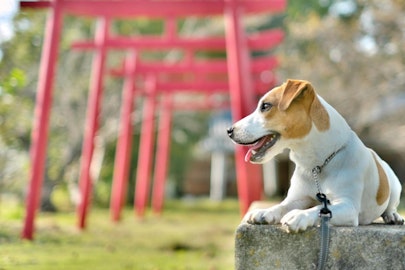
{"x": 343, "y": 8}
{"x": 8, "y": 8}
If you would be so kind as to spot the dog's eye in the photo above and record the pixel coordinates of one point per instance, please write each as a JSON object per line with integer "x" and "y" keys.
{"x": 265, "y": 106}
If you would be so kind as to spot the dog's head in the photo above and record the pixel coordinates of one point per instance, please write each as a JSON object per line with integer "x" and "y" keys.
{"x": 286, "y": 112}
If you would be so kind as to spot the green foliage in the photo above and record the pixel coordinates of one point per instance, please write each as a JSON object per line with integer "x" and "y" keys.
{"x": 13, "y": 124}
{"x": 18, "y": 68}
{"x": 139, "y": 26}
{"x": 16, "y": 79}
{"x": 300, "y": 10}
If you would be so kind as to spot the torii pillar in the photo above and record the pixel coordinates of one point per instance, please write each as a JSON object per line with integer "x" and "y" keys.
{"x": 146, "y": 145}
{"x": 92, "y": 121}
{"x": 124, "y": 144}
{"x": 242, "y": 101}
{"x": 39, "y": 135}
{"x": 162, "y": 159}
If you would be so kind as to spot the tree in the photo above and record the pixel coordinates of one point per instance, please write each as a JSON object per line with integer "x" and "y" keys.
{"x": 355, "y": 61}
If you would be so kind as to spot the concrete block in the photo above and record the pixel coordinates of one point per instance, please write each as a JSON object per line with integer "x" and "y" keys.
{"x": 263, "y": 247}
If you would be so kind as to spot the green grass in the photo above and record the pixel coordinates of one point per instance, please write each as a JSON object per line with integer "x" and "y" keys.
{"x": 189, "y": 235}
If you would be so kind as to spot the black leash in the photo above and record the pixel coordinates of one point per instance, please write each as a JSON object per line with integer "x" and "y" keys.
{"x": 325, "y": 214}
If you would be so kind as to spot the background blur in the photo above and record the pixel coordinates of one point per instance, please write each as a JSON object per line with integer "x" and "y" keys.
{"x": 352, "y": 51}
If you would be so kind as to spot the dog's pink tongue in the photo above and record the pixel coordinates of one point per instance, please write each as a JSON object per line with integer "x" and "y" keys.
{"x": 255, "y": 146}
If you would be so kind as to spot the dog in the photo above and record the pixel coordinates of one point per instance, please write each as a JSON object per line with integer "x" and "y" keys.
{"x": 329, "y": 156}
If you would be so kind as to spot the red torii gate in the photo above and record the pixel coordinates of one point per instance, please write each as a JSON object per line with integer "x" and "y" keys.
{"x": 238, "y": 68}
{"x": 143, "y": 177}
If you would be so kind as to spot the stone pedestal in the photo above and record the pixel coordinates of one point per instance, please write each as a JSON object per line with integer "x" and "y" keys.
{"x": 264, "y": 247}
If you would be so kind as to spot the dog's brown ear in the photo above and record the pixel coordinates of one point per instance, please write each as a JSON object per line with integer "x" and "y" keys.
{"x": 292, "y": 89}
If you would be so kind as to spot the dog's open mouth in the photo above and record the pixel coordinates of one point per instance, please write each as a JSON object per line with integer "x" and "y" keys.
{"x": 258, "y": 148}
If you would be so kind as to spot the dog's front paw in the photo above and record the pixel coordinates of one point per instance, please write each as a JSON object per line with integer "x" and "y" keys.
{"x": 263, "y": 216}
{"x": 298, "y": 220}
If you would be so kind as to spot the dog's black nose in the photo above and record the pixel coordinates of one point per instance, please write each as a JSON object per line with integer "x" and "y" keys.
{"x": 230, "y": 132}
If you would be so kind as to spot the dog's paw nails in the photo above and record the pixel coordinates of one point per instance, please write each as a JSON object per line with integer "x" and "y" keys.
{"x": 285, "y": 227}
{"x": 261, "y": 216}
{"x": 253, "y": 221}
{"x": 393, "y": 218}
{"x": 254, "y": 217}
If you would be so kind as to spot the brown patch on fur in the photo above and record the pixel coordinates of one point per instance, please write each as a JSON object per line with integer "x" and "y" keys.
{"x": 319, "y": 115}
{"x": 383, "y": 186}
{"x": 288, "y": 117}
{"x": 291, "y": 90}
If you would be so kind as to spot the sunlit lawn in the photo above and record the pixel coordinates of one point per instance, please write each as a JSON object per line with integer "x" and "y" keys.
{"x": 189, "y": 235}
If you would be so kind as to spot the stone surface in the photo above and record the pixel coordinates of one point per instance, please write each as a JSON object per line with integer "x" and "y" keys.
{"x": 264, "y": 247}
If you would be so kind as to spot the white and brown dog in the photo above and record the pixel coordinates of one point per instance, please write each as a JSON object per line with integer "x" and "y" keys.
{"x": 359, "y": 185}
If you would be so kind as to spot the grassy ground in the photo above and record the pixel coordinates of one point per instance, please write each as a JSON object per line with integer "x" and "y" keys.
{"x": 189, "y": 235}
